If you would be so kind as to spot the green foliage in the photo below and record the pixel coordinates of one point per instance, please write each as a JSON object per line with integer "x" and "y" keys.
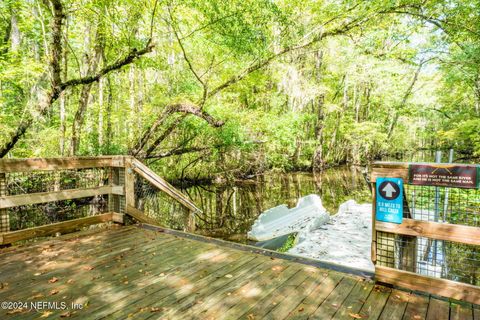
{"x": 464, "y": 137}
{"x": 289, "y": 244}
{"x": 347, "y": 95}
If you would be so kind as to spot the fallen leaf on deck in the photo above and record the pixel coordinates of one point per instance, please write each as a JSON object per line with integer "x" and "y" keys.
{"x": 155, "y": 309}
{"x": 301, "y": 309}
{"x": 417, "y": 317}
{"x": 88, "y": 268}
{"x": 46, "y": 314}
{"x": 228, "y": 276}
{"x": 37, "y": 296}
{"x": 251, "y": 316}
{"x": 66, "y": 314}
{"x": 334, "y": 305}
{"x": 3, "y": 285}
{"x": 54, "y": 292}
{"x": 70, "y": 281}
{"x": 53, "y": 280}
{"x": 15, "y": 311}
{"x": 355, "y": 315}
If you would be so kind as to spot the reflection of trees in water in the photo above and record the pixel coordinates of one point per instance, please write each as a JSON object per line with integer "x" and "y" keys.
{"x": 230, "y": 210}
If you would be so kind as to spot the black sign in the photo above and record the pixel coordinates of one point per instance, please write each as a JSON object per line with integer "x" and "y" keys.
{"x": 444, "y": 175}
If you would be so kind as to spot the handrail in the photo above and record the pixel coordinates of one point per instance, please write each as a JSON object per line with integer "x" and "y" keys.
{"x": 163, "y": 185}
{"x": 395, "y": 244}
{"x": 120, "y": 189}
{"x": 49, "y": 164}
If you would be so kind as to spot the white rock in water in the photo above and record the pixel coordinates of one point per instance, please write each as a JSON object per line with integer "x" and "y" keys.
{"x": 346, "y": 240}
{"x": 308, "y": 215}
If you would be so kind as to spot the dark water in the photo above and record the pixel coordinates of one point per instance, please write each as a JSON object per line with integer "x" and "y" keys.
{"x": 230, "y": 210}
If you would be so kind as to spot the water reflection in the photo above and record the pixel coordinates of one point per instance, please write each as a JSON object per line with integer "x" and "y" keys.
{"x": 230, "y": 210}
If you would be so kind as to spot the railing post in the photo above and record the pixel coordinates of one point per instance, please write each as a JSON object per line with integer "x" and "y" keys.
{"x": 116, "y": 203}
{"x": 190, "y": 221}
{"x": 4, "y": 217}
{"x": 129, "y": 183}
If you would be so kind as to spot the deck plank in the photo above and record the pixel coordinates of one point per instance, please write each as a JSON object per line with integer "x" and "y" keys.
{"x": 119, "y": 279}
{"x": 461, "y": 311}
{"x": 375, "y": 303}
{"x": 171, "y": 275}
{"x": 476, "y": 312}
{"x": 37, "y": 283}
{"x": 316, "y": 297}
{"x": 61, "y": 252}
{"x": 438, "y": 309}
{"x": 46, "y": 250}
{"x": 355, "y": 301}
{"x": 332, "y": 303}
{"x": 293, "y": 295}
{"x": 265, "y": 272}
{"x": 417, "y": 307}
{"x": 142, "y": 274}
{"x": 210, "y": 284}
{"x": 396, "y": 305}
{"x": 165, "y": 297}
{"x": 258, "y": 287}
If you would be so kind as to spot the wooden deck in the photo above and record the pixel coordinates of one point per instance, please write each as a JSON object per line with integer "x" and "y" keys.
{"x": 131, "y": 272}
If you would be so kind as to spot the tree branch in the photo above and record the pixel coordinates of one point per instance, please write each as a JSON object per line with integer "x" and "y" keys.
{"x": 185, "y": 108}
{"x": 129, "y": 58}
{"x": 185, "y": 57}
{"x": 164, "y": 135}
{"x": 262, "y": 63}
{"x": 176, "y": 152}
{"x": 56, "y": 86}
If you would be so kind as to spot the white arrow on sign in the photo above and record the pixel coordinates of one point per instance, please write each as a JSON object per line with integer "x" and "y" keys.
{"x": 389, "y": 190}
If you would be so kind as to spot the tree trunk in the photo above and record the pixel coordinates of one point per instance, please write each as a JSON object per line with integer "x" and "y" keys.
{"x": 333, "y": 142}
{"x": 108, "y": 116}
{"x": 15, "y": 35}
{"x": 407, "y": 94}
{"x": 477, "y": 95}
{"x": 63, "y": 96}
{"x": 91, "y": 65}
{"x": 46, "y": 98}
{"x": 357, "y": 102}
{"x": 6, "y": 36}
{"x": 100, "y": 113}
{"x": 318, "y": 162}
{"x": 355, "y": 151}
{"x": 133, "y": 112}
{"x": 366, "y": 113}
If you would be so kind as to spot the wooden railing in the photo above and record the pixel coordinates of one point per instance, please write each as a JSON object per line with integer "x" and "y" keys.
{"x": 429, "y": 221}
{"x": 119, "y": 189}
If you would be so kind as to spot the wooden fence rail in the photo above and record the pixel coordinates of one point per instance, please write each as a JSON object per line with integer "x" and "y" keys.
{"x": 120, "y": 189}
{"x": 388, "y": 239}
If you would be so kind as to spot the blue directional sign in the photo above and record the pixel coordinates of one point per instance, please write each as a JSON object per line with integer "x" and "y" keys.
{"x": 389, "y": 200}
